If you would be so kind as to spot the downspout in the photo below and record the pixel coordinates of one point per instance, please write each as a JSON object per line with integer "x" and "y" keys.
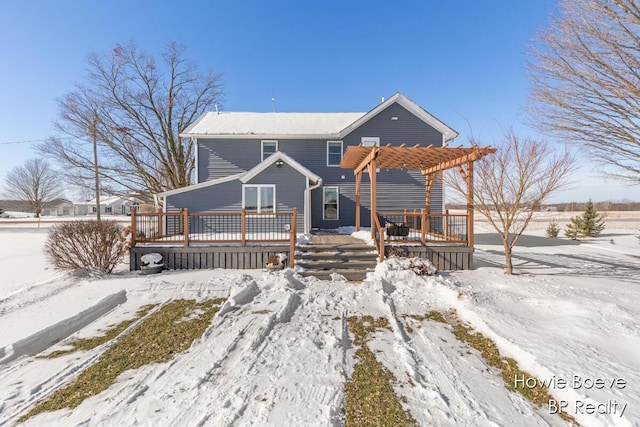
{"x": 307, "y": 204}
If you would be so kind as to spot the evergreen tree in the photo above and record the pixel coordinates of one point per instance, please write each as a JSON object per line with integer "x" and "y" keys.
{"x": 553, "y": 230}
{"x": 592, "y": 222}
{"x": 589, "y": 224}
{"x": 574, "y": 228}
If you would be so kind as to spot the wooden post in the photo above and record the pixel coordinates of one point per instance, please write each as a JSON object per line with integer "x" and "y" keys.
{"x": 423, "y": 229}
{"x": 381, "y": 253}
{"x": 185, "y": 220}
{"x": 429, "y": 186}
{"x": 292, "y": 238}
{"x": 446, "y": 226}
{"x": 470, "y": 207}
{"x": 243, "y": 227}
{"x": 160, "y": 233}
{"x": 358, "y": 182}
{"x": 374, "y": 207}
{"x": 133, "y": 227}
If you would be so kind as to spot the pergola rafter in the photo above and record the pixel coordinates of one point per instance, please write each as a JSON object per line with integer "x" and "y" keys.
{"x": 429, "y": 160}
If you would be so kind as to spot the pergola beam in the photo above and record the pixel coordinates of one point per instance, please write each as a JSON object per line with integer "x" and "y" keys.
{"x": 458, "y": 161}
{"x": 367, "y": 160}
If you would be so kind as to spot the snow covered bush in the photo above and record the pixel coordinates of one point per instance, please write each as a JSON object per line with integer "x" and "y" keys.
{"x": 85, "y": 244}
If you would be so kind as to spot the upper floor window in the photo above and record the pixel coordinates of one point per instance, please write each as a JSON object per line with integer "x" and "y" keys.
{"x": 334, "y": 153}
{"x": 269, "y": 148}
{"x": 370, "y": 141}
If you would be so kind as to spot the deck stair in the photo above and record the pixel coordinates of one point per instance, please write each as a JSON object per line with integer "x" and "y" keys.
{"x": 340, "y": 254}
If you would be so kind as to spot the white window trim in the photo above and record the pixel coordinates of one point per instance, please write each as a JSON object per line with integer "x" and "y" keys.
{"x": 270, "y": 141}
{"x": 258, "y": 186}
{"x": 324, "y": 194}
{"x": 341, "y": 153}
{"x": 370, "y": 141}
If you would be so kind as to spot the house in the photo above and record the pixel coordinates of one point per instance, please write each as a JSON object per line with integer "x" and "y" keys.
{"x": 113, "y": 205}
{"x": 271, "y": 162}
{"x": 58, "y": 207}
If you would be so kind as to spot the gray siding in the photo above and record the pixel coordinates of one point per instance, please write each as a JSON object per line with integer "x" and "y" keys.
{"x": 290, "y": 185}
{"x": 225, "y": 197}
{"x": 396, "y": 189}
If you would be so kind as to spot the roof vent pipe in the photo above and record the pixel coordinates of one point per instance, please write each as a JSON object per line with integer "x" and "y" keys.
{"x": 382, "y": 100}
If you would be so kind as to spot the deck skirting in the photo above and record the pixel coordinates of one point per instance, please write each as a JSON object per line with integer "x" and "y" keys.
{"x": 442, "y": 257}
{"x": 208, "y": 257}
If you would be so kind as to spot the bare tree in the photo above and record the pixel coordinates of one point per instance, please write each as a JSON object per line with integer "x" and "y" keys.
{"x": 135, "y": 106}
{"x": 34, "y": 182}
{"x": 512, "y": 183}
{"x": 585, "y": 76}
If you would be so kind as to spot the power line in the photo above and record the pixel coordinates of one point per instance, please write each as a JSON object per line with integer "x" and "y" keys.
{"x": 31, "y": 141}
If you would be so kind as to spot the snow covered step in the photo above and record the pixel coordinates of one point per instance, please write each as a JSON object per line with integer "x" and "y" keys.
{"x": 340, "y": 247}
{"x": 352, "y": 275}
{"x": 350, "y": 259}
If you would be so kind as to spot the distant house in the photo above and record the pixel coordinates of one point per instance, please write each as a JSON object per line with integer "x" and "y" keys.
{"x": 58, "y": 207}
{"x": 272, "y": 162}
{"x": 113, "y": 205}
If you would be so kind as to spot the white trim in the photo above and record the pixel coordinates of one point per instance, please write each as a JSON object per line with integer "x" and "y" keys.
{"x": 307, "y": 204}
{"x": 195, "y": 147}
{"x": 203, "y": 184}
{"x": 269, "y": 141}
{"x": 341, "y": 153}
{"x": 260, "y": 167}
{"x": 337, "y": 202}
{"x": 259, "y": 186}
{"x": 370, "y": 141}
{"x": 268, "y": 136}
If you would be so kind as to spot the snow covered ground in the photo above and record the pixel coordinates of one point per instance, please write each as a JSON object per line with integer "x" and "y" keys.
{"x": 278, "y": 352}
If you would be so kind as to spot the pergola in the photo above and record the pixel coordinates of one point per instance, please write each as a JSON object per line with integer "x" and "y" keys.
{"x": 429, "y": 160}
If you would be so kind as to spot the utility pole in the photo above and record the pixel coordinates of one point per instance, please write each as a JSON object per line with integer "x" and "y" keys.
{"x": 94, "y": 137}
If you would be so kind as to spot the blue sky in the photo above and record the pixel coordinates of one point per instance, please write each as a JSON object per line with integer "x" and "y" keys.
{"x": 463, "y": 61}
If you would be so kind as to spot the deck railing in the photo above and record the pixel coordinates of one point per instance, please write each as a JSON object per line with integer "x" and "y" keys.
{"x": 420, "y": 227}
{"x": 188, "y": 228}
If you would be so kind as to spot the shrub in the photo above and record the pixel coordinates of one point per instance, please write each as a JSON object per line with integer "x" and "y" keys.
{"x": 85, "y": 244}
{"x": 553, "y": 230}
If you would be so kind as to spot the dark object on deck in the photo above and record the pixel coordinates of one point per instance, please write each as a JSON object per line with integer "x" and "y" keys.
{"x": 394, "y": 229}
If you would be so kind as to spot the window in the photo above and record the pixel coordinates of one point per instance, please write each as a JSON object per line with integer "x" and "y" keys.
{"x": 259, "y": 198}
{"x": 370, "y": 141}
{"x": 269, "y": 148}
{"x": 334, "y": 153}
{"x": 330, "y": 203}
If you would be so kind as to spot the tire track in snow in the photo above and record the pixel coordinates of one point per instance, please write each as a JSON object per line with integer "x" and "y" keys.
{"x": 452, "y": 383}
{"x": 266, "y": 365}
{"x": 20, "y": 401}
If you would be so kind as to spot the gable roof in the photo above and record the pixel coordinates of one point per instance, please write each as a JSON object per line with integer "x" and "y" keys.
{"x": 270, "y": 125}
{"x": 250, "y": 174}
{"x": 413, "y": 108}
{"x": 228, "y": 124}
{"x": 279, "y": 155}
